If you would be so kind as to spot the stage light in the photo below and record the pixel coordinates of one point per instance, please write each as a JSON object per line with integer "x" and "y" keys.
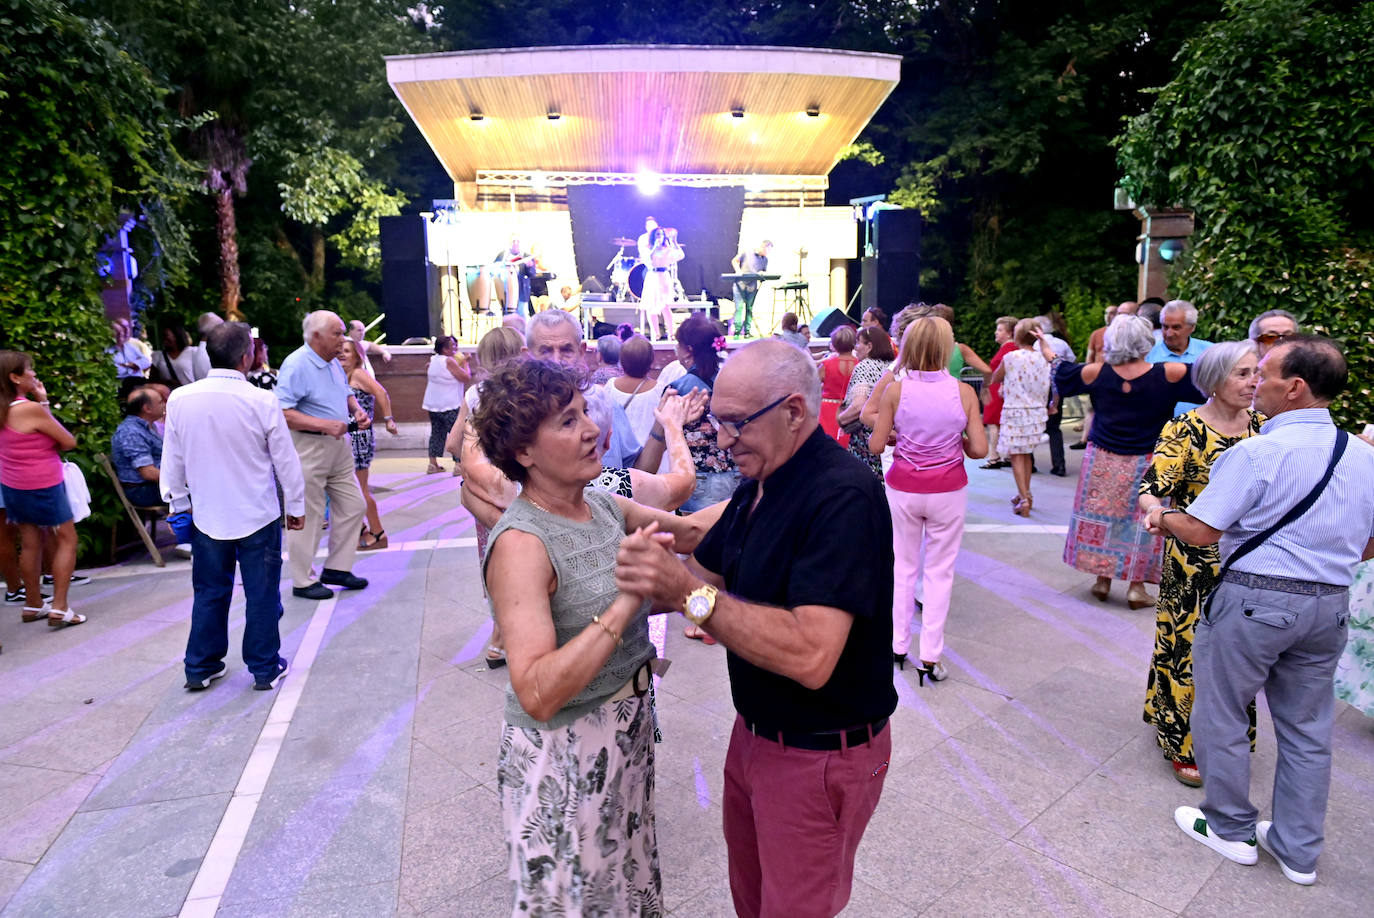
{"x": 477, "y": 114}
{"x": 737, "y": 112}
{"x": 647, "y": 182}
{"x": 539, "y": 181}
{"x": 813, "y": 111}
{"x": 755, "y": 184}
{"x": 554, "y": 114}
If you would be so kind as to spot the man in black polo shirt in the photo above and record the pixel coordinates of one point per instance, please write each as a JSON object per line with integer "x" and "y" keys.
{"x": 804, "y": 549}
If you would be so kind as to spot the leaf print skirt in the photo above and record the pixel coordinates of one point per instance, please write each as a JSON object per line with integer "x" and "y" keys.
{"x": 577, "y": 803}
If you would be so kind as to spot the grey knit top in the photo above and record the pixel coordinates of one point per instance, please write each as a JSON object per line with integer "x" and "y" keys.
{"x": 583, "y": 558}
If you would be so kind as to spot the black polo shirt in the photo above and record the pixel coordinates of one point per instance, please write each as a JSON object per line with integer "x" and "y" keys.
{"x": 821, "y": 535}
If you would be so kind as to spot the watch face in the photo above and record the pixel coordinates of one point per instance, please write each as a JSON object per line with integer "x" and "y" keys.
{"x": 697, "y": 606}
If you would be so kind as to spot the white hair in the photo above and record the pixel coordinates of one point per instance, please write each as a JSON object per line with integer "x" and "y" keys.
{"x": 1188, "y": 309}
{"x": 315, "y": 322}
{"x": 792, "y": 370}
{"x": 1217, "y": 362}
{"x": 551, "y": 319}
{"x": 1127, "y": 338}
{"x": 207, "y": 322}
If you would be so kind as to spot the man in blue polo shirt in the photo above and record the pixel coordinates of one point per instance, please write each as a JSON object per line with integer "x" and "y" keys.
{"x": 136, "y": 447}
{"x": 1278, "y": 618}
{"x": 318, "y": 405}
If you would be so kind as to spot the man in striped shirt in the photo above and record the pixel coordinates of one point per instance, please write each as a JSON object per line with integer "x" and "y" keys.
{"x": 1278, "y": 618}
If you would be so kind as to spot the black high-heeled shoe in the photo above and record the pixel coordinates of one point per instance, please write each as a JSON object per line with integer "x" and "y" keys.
{"x": 900, "y": 660}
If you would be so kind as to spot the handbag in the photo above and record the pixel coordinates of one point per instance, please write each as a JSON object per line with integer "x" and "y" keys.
{"x": 1297, "y": 510}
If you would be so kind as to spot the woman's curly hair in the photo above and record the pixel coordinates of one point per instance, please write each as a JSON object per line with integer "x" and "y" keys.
{"x": 516, "y": 398}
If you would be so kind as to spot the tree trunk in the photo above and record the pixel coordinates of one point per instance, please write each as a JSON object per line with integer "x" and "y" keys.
{"x": 317, "y": 260}
{"x": 226, "y": 229}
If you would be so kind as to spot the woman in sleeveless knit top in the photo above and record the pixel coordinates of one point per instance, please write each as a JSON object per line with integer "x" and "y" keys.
{"x": 937, "y": 421}
{"x": 575, "y": 764}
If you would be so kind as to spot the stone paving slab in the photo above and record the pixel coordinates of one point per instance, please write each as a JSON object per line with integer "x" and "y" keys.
{"x": 1026, "y": 784}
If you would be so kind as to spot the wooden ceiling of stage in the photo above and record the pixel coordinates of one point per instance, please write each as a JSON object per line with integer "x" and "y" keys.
{"x": 627, "y": 108}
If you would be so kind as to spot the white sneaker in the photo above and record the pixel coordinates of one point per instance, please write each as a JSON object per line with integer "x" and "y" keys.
{"x": 1194, "y": 825}
{"x": 1262, "y": 833}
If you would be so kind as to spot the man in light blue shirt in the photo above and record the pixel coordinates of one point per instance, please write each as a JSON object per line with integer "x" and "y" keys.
{"x": 318, "y": 405}
{"x": 1177, "y": 344}
{"x": 1277, "y": 620}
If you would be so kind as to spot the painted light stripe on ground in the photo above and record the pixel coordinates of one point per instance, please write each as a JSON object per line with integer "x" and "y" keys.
{"x": 218, "y": 864}
{"x": 1017, "y": 528}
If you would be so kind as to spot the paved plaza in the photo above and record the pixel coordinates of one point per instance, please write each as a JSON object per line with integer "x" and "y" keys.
{"x": 1026, "y": 784}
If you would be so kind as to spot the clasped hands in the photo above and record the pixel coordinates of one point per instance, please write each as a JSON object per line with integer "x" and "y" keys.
{"x": 647, "y": 566}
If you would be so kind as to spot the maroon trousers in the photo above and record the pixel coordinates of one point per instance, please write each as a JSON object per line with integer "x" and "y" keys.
{"x": 793, "y": 820}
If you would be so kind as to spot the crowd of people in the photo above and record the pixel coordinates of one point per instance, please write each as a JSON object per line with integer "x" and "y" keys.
{"x": 725, "y": 487}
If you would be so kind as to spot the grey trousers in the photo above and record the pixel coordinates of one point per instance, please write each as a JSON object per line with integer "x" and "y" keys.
{"x": 1287, "y": 644}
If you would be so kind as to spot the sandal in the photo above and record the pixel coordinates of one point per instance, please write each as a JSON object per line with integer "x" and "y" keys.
{"x": 496, "y": 657}
{"x": 34, "y": 615}
{"x": 1187, "y": 773}
{"x": 1101, "y": 589}
{"x": 995, "y": 464}
{"x": 692, "y": 632}
{"x": 379, "y": 541}
{"x": 434, "y": 470}
{"x": 64, "y": 618}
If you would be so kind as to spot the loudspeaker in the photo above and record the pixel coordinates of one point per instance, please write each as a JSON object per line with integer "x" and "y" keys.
{"x": 592, "y": 285}
{"x": 897, "y": 232}
{"x": 405, "y": 297}
{"x": 891, "y": 282}
{"x": 602, "y": 328}
{"x": 403, "y": 238}
{"x": 827, "y": 320}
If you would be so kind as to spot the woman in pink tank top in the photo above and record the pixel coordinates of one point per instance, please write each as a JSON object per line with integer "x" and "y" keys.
{"x": 937, "y": 421}
{"x": 33, "y": 487}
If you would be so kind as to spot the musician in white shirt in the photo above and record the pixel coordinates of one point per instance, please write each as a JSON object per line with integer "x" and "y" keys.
{"x": 224, "y": 441}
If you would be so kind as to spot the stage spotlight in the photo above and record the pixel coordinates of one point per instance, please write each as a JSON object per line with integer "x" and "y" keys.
{"x": 554, "y": 114}
{"x": 755, "y": 184}
{"x": 477, "y": 114}
{"x": 813, "y": 111}
{"x": 647, "y": 182}
{"x": 539, "y": 181}
{"x": 737, "y": 112}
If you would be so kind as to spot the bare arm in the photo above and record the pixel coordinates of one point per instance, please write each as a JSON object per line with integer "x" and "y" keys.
{"x": 1368, "y": 550}
{"x": 971, "y": 359}
{"x": 545, "y": 676}
{"x": 882, "y": 424}
{"x": 33, "y": 417}
{"x": 453, "y": 446}
{"x": 1181, "y": 526}
{"x": 368, "y": 383}
{"x": 485, "y": 481}
{"x": 869, "y": 415}
{"x": 975, "y": 436}
{"x": 998, "y": 374}
{"x": 671, "y": 489}
{"x": 458, "y": 370}
{"x": 851, "y": 411}
{"x": 803, "y": 644}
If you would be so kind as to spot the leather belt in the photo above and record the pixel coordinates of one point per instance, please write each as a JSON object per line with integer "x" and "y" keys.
{"x": 638, "y": 684}
{"x": 660, "y": 269}
{"x": 312, "y": 433}
{"x": 827, "y": 741}
{"x": 1282, "y": 584}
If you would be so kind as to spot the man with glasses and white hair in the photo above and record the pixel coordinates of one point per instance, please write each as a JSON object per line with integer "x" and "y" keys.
{"x": 809, "y": 655}
{"x": 1269, "y": 328}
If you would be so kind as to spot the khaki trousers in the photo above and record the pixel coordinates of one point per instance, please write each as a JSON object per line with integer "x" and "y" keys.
{"x": 327, "y": 465}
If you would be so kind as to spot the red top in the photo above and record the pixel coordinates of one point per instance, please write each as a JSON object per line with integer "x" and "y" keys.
{"x": 992, "y": 411}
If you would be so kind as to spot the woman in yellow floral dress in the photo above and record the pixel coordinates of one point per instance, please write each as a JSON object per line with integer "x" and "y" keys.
{"x": 1182, "y": 462}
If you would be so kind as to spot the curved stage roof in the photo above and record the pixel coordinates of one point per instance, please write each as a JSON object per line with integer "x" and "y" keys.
{"x": 669, "y": 109}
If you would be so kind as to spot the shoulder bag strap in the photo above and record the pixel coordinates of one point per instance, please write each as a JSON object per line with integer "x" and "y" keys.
{"x": 1298, "y": 509}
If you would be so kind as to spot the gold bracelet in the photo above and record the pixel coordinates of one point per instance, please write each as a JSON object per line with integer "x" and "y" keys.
{"x": 607, "y": 628}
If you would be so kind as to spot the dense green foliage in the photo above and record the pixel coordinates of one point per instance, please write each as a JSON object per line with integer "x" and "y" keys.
{"x": 1267, "y": 133}
{"x": 85, "y": 137}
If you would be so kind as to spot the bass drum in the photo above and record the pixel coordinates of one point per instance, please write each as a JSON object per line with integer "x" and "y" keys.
{"x": 637, "y": 275}
{"x": 484, "y": 285}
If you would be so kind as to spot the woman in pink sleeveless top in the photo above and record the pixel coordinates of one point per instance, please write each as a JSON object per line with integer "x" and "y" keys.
{"x": 937, "y": 421}
{"x": 34, "y": 489}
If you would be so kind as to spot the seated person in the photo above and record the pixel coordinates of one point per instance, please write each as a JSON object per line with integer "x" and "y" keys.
{"x": 136, "y": 447}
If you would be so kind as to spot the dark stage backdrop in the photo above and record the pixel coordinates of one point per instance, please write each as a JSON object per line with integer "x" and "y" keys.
{"x": 707, "y": 221}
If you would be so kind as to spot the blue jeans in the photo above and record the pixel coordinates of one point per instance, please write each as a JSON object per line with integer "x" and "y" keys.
{"x": 712, "y": 488}
{"x": 212, "y": 577}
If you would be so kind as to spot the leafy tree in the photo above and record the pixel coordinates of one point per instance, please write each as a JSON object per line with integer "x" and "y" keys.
{"x": 291, "y": 117}
{"x": 87, "y": 145}
{"x": 1267, "y": 133}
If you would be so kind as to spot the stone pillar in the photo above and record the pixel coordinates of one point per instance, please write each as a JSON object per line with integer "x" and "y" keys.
{"x": 1159, "y": 227}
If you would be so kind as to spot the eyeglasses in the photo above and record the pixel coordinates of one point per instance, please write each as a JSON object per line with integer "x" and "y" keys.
{"x": 1271, "y": 337}
{"x": 733, "y": 428}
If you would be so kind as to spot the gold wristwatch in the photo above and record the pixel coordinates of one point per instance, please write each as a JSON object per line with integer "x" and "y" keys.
{"x": 701, "y": 602}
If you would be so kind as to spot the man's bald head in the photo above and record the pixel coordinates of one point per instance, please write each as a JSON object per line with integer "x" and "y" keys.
{"x": 773, "y": 368}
